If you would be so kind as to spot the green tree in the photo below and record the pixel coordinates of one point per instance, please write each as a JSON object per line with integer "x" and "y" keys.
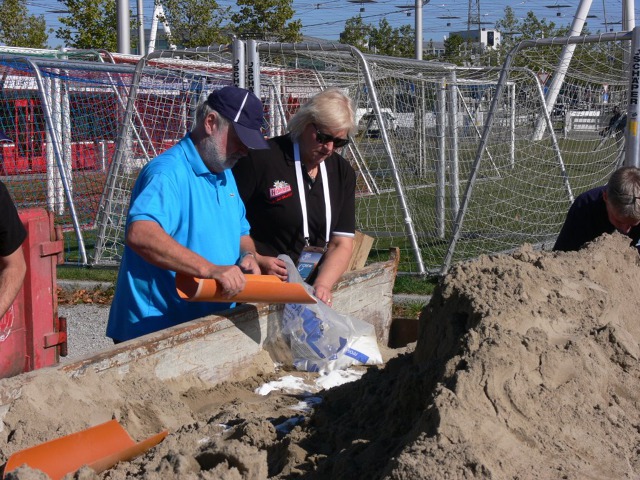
{"x": 533, "y": 27}
{"x": 453, "y": 49}
{"x": 406, "y": 38}
{"x": 266, "y": 20}
{"x": 356, "y": 33}
{"x": 90, "y": 24}
{"x": 530, "y": 27}
{"x": 380, "y": 40}
{"x": 18, "y": 28}
{"x": 195, "y": 23}
{"x": 508, "y": 27}
{"x": 394, "y": 42}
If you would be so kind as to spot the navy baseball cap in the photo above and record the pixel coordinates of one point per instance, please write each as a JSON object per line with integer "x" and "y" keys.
{"x": 4, "y": 137}
{"x": 244, "y": 110}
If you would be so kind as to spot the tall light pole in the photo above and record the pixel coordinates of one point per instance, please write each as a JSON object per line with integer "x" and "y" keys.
{"x": 419, "y": 28}
{"x": 418, "y": 14}
{"x": 141, "y": 49}
{"x": 123, "y": 34}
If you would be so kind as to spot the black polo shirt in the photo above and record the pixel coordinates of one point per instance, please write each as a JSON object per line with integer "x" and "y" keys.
{"x": 12, "y": 232}
{"x": 267, "y": 184}
{"x": 586, "y": 220}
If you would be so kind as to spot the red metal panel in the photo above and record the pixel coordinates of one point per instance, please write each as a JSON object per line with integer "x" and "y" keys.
{"x": 12, "y": 163}
{"x": 84, "y": 155}
{"x": 30, "y": 333}
{"x": 28, "y": 135}
{"x": 39, "y": 156}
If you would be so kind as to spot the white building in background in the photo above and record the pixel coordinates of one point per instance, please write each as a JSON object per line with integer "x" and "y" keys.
{"x": 487, "y": 37}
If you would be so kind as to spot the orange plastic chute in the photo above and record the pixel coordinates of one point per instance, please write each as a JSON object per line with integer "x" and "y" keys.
{"x": 259, "y": 288}
{"x": 99, "y": 447}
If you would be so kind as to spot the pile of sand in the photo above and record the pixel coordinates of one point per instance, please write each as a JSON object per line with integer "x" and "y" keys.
{"x": 526, "y": 367}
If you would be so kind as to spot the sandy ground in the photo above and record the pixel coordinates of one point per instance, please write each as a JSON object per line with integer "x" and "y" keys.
{"x": 526, "y": 368}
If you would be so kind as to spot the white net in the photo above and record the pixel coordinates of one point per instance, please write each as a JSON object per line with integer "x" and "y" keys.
{"x": 426, "y": 130}
{"x": 61, "y": 119}
{"x": 526, "y": 168}
{"x": 160, "y": 111}
{"x": 529, "y": 174}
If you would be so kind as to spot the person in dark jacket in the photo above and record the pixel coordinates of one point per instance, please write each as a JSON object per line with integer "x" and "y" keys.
{"x": 615, "y": 206}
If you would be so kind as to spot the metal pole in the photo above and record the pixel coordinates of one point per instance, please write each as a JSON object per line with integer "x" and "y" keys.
{"x": 441, "y": 165}
{"x": 563, "y": 65}
{"x": 237, "y": 48}
{"x": 454, "y": 162}
{"x": 124, "y": 43}
{"x": 628, "y": 18}
{"x": 153, "y": 33}
{"x": 55, "y": 143}
{"x": 253, "y": 68}
{"x": 419, "y": 29}
{"x": 632, "y": 155}
{"x": 141, "y": 50}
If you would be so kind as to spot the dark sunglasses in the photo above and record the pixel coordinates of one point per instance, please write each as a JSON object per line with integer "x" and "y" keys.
{"x": 325, "y": 138}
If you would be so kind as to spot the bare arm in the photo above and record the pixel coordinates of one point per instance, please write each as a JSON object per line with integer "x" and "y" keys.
{"x": 12, "y": 272}
{"x": 249, "y": 256}
{"x": 153, "y": 244}
{"x": 333, "y": 266}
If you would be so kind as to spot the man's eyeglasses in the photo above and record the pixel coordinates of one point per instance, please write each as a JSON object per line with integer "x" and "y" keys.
{"x": 325, "y": 138}
{"x": 625, "y": 198}
{"x": 632, "y": 200}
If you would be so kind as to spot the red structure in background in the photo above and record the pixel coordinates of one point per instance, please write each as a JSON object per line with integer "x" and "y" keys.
{"x": 292, "y": 106}
{"x": 31, "y": 334}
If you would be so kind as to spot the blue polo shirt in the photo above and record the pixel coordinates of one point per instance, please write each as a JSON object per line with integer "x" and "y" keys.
{"x": 200, "y": 210}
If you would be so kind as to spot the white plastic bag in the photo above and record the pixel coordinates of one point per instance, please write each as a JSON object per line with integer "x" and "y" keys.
{"x": 321, "y": 339}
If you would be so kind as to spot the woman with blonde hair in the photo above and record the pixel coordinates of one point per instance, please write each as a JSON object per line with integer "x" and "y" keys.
{"x": 300, "y": 194}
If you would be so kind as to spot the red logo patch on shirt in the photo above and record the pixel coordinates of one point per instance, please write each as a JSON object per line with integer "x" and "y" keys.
{"x": 279, "y": 191}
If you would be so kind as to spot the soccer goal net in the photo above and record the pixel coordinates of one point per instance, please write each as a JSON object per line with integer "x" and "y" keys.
{"x": 451, "y": 162}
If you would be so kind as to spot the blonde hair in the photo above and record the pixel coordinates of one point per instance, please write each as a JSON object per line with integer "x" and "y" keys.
{"x": 623, "y": 192}
{"x": 330, "y": 108}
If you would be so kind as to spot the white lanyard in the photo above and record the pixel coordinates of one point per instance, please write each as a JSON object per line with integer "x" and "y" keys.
{"x": 302, "y": 193}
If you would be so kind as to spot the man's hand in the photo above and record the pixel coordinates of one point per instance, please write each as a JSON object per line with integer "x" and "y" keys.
{"x": 155, "y": 246}
{"x": 231, "y": 279}
{"x": 249, "y": 264}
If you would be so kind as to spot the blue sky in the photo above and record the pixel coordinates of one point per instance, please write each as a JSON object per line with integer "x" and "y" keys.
{"x": 325, "y": 19}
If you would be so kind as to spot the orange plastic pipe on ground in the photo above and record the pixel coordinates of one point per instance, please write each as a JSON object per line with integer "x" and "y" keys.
{"x": 259, "y": 288}
{"x": 99, "y": 447}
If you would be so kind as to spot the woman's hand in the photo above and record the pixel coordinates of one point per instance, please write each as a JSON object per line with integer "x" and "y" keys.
{"x": 323, "y": 293}
{"x": 272, "y": 266}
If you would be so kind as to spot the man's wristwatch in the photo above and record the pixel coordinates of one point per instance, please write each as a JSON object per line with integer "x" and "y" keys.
{"x": 244, "y": 254}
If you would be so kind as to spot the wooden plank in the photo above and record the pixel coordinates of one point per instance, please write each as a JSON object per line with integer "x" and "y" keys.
{"x": 362, "y": 244}
{"x": 232, "y": 345}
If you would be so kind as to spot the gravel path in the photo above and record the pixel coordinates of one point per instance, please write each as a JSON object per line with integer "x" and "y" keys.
{"x": 86, "y": 326}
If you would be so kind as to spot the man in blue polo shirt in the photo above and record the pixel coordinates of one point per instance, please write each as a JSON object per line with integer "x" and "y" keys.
{"x": 186, "y": 216}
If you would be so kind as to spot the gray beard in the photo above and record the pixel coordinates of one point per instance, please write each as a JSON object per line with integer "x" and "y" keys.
{"x": 213, "y": 158}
